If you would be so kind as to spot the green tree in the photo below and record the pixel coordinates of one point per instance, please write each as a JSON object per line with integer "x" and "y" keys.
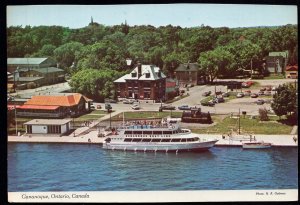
{"x": 284, "y": 100}
{"x": 215, "y": 62}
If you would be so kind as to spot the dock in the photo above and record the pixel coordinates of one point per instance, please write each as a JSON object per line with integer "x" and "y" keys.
{"x": 224, "y": 141}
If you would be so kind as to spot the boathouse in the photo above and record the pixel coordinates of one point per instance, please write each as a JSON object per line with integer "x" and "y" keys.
{"x": 48, "y": 126}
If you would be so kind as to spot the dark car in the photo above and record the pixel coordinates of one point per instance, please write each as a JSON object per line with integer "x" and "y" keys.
{"x": 260, "y": 102}
{"x": 218, "y": 100}
{"x": 108, "y": 106}
{"x": 167, "y": 107}
{"x": 209, "y": 103}
{"x": 130, "y": 101}
{"x": 207, "y": 93}
{"x": 184, "y": 107}
{"x": 261, "y": 93}
{"x": 225, "y": 95}
{"x": 253, "y": 95}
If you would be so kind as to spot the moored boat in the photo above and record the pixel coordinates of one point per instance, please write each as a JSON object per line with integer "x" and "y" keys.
{"x": 256, "y": 145}
{"x": 164, "y": 137}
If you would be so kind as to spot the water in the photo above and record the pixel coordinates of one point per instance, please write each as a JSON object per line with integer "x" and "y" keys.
{"x": 56, "y": 167}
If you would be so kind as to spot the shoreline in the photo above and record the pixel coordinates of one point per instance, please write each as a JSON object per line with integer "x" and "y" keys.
{"x": 92, "y": 138}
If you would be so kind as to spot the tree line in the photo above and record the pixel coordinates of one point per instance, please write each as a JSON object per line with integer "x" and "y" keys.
{"x": 219, "y": 51}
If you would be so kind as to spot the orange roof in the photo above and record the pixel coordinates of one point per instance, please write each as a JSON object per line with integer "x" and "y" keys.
{"x": 292, "y": 68}
{"x": 60, "y": 100}
{"x": 39, "y": 107}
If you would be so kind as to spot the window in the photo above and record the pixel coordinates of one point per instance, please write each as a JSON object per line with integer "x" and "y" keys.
{"x": 133, "y": 75}
{"x": 127, "y": 140}
{"x": 166, "y": 140}
{"x": 155, "y": 140}
{"x": 176, "y": 140}
{"x": 147, "y": 75}
{"x": 29, "y": 129}
{"x": 146, "y": 140}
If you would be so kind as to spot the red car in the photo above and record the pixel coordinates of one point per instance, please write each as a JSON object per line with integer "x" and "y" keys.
{"x": 254, "y": 95}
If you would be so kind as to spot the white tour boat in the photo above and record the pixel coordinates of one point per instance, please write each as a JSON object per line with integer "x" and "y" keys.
{"x": 161, "y": 137}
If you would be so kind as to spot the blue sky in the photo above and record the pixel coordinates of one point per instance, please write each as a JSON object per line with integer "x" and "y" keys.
{"x": 184, "y": 15}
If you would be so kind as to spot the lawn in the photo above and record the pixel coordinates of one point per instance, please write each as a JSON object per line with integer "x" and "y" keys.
{"x": 248, "y": 126}
{"x": 146, "y": 115}
{"x": 94, "y": 115}
{"x": 274, "y": 77}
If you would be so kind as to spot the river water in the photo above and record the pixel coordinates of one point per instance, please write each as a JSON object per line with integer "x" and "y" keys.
{"x": 73, "y": 167}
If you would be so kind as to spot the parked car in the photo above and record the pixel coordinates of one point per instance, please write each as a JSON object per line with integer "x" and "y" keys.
{"x": 207, "y": 93}
{"x": 268, "y": 88}
{"x": 274, "y": 88}
{"x": 247, "y": 84}
{"x": 260, "y": 102}
{"x": 268, "y": 93}
{"x": 247, "y": 92}
{"x": 240, "y": 95}
{"x": 184, "y": 107}
{"x": 261, "y": 93}
{"x": 128, "y": 101}
{"x": 253, "y": 95}
{"x": 263, "y": 89}
{"x": 209, "y": 103}
{"x": 99, "y": 107}
{"x": 93, "y": 107}
{"x": 135, "y": 107}
{"x": 108, "y": 106}
{"x": 218, "y": 100}
{"x": 107, "y": 100}
{"x": 168, "y": 107}
{"x": 190, "y": 85}
{"x": 225, "y": 95}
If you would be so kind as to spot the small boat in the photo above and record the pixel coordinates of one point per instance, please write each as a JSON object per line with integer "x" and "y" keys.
{"x": 256, "y": 145}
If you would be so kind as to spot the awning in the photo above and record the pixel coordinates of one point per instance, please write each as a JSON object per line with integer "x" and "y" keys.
{"x": 39, "y": 107}
{"x": 11, "y": 107}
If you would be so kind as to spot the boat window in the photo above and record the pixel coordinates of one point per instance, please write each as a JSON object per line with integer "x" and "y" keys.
{"x": 190, "y": 139}
{"x": 128, "y": 140}
{"x": 183, "y": 140}
{"x": 167, "y": 132}
{"x": 156, "y": 140}
{"x": 176, "y": 140}
{"x": 157, "y": 132}
{"x": 196, "y": 138}
{"x": 146, "y": 140}
{"x": 148, "y": 132}
{"x": 166, "y": 140}
{"x": 136, "y": 140}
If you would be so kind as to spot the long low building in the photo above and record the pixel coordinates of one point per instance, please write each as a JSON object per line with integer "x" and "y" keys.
{"x": 48, "y": 106}
{"x": 48, "y": 126}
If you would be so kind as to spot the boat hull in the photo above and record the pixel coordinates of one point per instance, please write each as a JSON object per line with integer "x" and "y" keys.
{"x": 155, "y": 147}
{"x": 256, "y": 146}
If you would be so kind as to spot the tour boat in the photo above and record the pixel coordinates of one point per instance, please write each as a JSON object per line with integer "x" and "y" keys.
{"x": 256, "y": 145}
{"x": 164, "y": 137}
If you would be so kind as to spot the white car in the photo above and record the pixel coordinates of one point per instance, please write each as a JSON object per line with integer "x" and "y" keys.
{"x": 135, "y": 107}
{"x": 240, "y": 95}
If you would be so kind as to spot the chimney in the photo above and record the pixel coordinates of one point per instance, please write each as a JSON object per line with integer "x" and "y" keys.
{"x": 139, "y": 69}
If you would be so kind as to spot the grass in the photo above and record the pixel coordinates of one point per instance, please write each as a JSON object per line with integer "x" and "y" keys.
{"x": 247, "y": 126}
{"x": 146, "y": 115}
{"x": 274, "y": 77}
{"x": 207, "y": 99}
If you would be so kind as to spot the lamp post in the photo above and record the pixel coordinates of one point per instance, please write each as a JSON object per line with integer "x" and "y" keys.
{"x": 16, "y": 120}
{"x": 239, "y": 121}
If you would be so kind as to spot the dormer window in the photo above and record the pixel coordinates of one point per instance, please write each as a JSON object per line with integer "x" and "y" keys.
{"x": 133, "y": 74}
{"x": 147, "y": 75}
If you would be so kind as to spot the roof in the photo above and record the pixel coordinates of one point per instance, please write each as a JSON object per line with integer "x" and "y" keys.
{"x": 24, "y": 61}
{"x": 68, "y": 100}
{"x": 28, "y": 79}
{"x": 39, "y": 107}
{"x": 12, "y": 107}
{"x": 47, "y": 122}
{"x": 149, "y": 69}
{"x": 292, "y": 68}
{"x": 283, "y": 54}
{"x": 187, "y": 67}
{"x": 43, "y": 70}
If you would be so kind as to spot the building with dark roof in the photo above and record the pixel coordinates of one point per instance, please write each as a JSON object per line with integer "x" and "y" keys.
{"x": 143, "y": 82}
{"x": 190, "y": 73}
{"x": 14, "y": 63}
{"x": 277, "y": 61}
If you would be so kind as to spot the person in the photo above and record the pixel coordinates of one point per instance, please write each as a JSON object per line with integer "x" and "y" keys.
{"x": 254, "y": 138}
{"x": 250, "y": 138}
{"x": 89, "y": 140}
{"x": 295, "y": 139}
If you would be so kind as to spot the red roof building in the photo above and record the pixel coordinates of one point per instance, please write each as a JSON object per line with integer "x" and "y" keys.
{"x": 291, "y": 72}
{"x": 49, "y": 106}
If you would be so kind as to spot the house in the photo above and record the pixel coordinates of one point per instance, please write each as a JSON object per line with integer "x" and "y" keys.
{"x": 190, "y": 73}
{"x": 48, "y": 106}
{"x": 291, "y": 72}
{"x": 14, "y": 63}
{"x": 172, "y": 88}
{"x": 277, "y": 61}
{"x": 145, "y": 82}
{"x": 48, "y": 126}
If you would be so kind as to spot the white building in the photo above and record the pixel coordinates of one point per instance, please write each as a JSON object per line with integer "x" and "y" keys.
{"x": 48, "y": 126}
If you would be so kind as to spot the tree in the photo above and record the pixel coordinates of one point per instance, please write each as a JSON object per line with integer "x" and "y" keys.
{"x": 263, "y": 114}
{"x": 284, "y": 100}
{"x": 215, "y": 62}
{"x": 96, "y": 84}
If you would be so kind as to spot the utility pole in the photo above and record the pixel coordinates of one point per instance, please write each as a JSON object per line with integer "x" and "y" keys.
{"x": 239, "y": 121}
{"x": 251, "y": 69}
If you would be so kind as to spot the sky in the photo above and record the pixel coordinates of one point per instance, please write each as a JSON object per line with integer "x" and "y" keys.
{"x": 184, "y": 15}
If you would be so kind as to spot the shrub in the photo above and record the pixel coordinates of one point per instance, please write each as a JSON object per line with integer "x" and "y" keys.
{"x": 263, "y": 114}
